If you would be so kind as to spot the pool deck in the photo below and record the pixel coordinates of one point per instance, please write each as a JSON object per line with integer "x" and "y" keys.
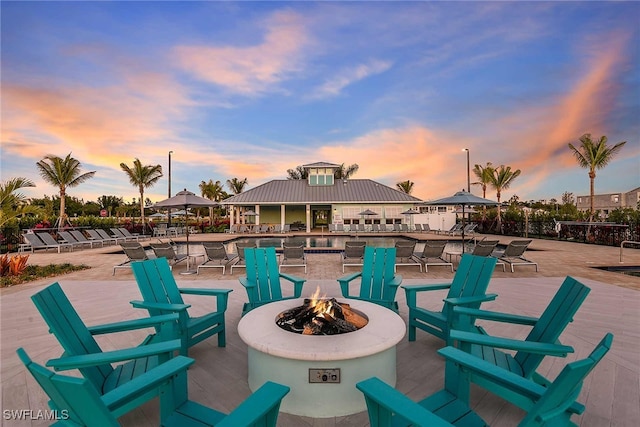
{"x": 219, "y": 377}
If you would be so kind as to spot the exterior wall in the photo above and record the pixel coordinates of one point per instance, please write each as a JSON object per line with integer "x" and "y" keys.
{"x": 269, "y": 214}
{"x": 386, "y": 213}
{"x": 610, "y": 201}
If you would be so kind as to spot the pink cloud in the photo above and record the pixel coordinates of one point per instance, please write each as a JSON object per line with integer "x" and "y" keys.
{"x": 252, "y": 69}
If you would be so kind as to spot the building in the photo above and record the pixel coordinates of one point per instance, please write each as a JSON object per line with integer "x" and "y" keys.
{"x": 320, "y": 200}
{"x": 605, "y": 203}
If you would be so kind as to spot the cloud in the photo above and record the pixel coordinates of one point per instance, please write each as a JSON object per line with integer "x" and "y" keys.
{"x": 348, "y": 76}
{"x": 254, "y": 69}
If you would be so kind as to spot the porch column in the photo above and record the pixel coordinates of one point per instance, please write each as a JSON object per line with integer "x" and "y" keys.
{"x": 257, "y": 211}
{"x": 231, "y": 215}
{"x": 282, "y": 216}
{"x": 308, "y": 218}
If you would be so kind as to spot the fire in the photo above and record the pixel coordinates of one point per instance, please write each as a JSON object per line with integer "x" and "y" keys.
{"x": 320, "y": 304}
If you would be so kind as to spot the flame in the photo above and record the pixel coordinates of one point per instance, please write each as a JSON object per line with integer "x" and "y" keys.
{"x": 321, "y": 305}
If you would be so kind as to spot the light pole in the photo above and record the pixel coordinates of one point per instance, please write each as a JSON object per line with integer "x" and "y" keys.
{"x": 468, "y": 171}
{"x": 169, "y": 211}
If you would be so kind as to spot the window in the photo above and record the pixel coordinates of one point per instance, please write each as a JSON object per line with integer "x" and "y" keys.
{"x": 320, "y": 176}
{"x": 615, "y": 198}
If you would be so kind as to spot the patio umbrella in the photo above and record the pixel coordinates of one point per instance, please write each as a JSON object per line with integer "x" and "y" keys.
{"x": 185, "y": 199}
{"x": 367, "y": 212}
{"x": 411, "y": 213}
{"x": 250, "y": 213}
{"x": 463, "y": 198}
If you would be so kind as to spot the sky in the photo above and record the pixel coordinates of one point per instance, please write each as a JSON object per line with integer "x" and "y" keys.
{"x": 251, "y": 89}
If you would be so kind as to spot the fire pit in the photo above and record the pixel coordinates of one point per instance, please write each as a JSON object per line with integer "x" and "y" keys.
{"x": 322, "y": 316}
{"x": 321, "y": 370}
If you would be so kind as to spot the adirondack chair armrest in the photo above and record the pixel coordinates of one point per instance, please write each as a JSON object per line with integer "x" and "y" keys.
{"x": 222, "y": 295}
{"x": 245, "y": 282}
{"x": 501, "y": 376}
{"x": 496, "y": 316}
{"x": 345, "y": 280}
{"x": 94, "y": 359}
{"x": 411, "y": 291}
{"x": 160, "y": 306}
{"x": 147, "y": 381}
{"x": 298, "y": 283}
{"x": 257, "y": 406}
{"x": 130, "y": 325}
{"x": 512, "y": 344}
{"x": 470, "y": 300}
{"x": 397, "y": 280}
{"x": 387, "y": 401}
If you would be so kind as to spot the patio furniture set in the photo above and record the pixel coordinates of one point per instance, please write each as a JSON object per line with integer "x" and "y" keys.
{"x": 73, "y": 239}
{"x": 471, "y": 354}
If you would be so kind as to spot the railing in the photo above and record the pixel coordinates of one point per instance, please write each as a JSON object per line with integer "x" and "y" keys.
{"x": 622, "y": 246}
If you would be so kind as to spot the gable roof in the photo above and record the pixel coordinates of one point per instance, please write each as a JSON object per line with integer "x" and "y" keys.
{"x": 321, "y": 165}
{"x": 298, "y": 191}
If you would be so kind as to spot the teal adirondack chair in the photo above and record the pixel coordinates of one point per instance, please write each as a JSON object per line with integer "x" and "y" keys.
{"x": 552, "y": 405}
{"x": 262, "y": 281}
{"x": 76, "y": 401}
{"x": 468, "y": 289}
{"x": 161, "y": 296}
{"x": 378, "y": 280}
{"x": 541, "y": 341}
{"x": 82, "y": 352}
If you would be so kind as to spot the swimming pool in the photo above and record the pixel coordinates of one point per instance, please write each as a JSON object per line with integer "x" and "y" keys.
{"x": 629, "y": 270}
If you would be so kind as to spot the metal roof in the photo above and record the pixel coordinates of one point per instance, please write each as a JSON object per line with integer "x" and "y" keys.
{"x": 321, "y": 165}
{"x": 298, "y": 191}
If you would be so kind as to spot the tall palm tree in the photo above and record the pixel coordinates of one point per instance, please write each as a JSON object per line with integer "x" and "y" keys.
{"x": 594, "y": 155}
{"x": 501, "y": 179}
{"x": 405, "y": 186}
{"x": 484, "y": 174}
{"x": 212, "y": 191}
{"x": 13, "y": 204}
{"x": 142, "y": 177}
{"x": 63, "y": 173}
{"x": 237, "y": 185}
{"x": 345, "y": 172}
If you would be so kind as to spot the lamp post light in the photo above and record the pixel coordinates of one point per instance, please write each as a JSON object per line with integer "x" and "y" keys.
{"x": 169, "y": 212}
{"x": 468, "y": 171}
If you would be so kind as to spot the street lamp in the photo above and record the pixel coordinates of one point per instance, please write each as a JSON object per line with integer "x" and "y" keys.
{"x": 468, "y": 171}
{"x": 169, "y": 212}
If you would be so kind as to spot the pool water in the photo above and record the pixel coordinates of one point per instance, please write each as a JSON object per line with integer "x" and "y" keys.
{"x": 629, "y": 270}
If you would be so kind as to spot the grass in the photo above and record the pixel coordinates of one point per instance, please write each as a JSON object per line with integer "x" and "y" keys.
{"x": 35, "y": 272}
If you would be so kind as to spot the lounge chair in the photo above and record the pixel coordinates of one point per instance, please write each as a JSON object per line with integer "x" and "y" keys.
{"x": 404, "y": 254}
{"x": 80, "y": 237}
{"x": 361, "y": 228}
{"x": 134, "y": 252}
{"x": 232, "y": 229}
{"x": 286, "y": 228}
{"x": 242, "y": 229}
{"x": 49, "y": 240}
{"x": 418, "y": 228}
{"x": 426, "y": 228}
{"x": 34, "y": 242}
{"x": 240, "y": 251}
{"x": 353, "y": 253}
{"x": 166, "y": 250}
{"x": 160, "y": 230}
{"x": 105, "y": 235}
{"x": 513, "y": 254}
{"x": 129, "y": 235}
{"x": 332, "y": 228}
{"x": 383, "y": 228}
{"x": 404, "y": 228}
{"x": 95, "y": 236}
{"x": 375, "y": 228}
{"x": 68, "y": 238}
{"x": 277, "y": 228}
{"x": 293, "y": 256}
{"x": 432, "y": 254}
{"x": 217, "y": 256}
{"x": 397, "y": 228}
{"x": 485, "y": 248}
{"x": 118, "y": 233}
{"x": 453, "y": 230}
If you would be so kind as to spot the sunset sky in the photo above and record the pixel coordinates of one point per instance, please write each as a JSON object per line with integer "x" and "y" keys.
{"x": 251, "y": 89}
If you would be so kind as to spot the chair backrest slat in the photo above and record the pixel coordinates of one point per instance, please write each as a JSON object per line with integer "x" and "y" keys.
{"x": 156, "y": 282}
{"x": 262, "y": 269}
{"x": 377, "y": 272}
{"x": 553, "y": 321}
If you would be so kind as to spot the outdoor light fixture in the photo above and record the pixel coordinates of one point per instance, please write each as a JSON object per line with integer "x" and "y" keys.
{"x": 468, "y": 171}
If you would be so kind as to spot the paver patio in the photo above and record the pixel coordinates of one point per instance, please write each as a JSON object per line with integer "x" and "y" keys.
{"x": 219, "y": 376}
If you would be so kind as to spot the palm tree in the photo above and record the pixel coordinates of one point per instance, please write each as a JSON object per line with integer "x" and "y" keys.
{"x": 298, "y": 173}
{"x": 501, "y": 179}
{"x": 62, "y": 173}
{"x": 13, "y": 204}
{"x": 110, "y": 203}
{"x": 345, "y": 172}
{"x": 594, "y": 155}
{"x": 405, "y": 186}
{"x": 142, "y": 177}
{"x": 484, "y": 174}
{"x": 212, "y": 191}
{"x": 237, "y": 185}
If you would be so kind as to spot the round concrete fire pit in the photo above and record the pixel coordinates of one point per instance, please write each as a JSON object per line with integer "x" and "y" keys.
{"x": 322, "y": 370}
